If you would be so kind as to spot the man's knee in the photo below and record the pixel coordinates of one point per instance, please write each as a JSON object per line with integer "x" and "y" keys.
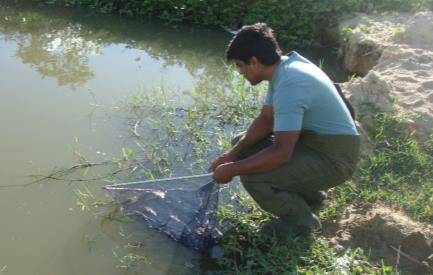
{"x": 273, "y": 200}
{"x": 261, "y": 193}
{"x": 248, "y": 185}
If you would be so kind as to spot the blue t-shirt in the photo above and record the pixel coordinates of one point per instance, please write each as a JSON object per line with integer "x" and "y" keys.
{"x": 304, "y": 98}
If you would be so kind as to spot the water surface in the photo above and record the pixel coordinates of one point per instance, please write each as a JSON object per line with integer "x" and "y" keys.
{"x": 63, "y": 72}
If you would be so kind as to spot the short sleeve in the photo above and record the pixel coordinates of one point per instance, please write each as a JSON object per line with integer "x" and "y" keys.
{"x": 268, "y": 98}
{"x": 291, "y": 100}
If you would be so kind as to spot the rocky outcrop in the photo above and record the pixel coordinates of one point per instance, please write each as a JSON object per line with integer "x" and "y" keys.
{"x": 361, "y": 54}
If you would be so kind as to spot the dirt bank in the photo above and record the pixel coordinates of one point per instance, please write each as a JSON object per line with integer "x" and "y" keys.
{"x": 394, "y": 54}
{"x": 384, "y": 234}
{"x": 393, "y": 57}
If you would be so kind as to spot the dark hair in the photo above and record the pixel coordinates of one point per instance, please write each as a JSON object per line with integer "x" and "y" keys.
{"x": 254, "y": 40}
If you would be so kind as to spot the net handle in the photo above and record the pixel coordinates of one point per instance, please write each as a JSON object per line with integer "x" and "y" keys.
{"x": 113, "y": 186}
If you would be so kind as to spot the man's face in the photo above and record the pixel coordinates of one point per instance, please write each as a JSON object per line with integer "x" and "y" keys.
{"x": 249, "y": 70}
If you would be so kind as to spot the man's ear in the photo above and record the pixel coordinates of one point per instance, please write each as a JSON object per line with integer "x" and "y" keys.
{"x": 254, "y": 61}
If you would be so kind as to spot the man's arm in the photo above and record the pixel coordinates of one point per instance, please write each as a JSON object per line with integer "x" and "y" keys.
{"x": 268, "y": 159}
{"x": 259, "y": 129}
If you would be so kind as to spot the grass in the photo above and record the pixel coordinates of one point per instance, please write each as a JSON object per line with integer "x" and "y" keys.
{"x": 398, "y": 172}
{"x": 248, "y": 251}
{"x": 168, "y": 138}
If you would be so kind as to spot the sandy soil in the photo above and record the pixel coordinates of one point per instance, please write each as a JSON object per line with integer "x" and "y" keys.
{"x": 395, "y": 54}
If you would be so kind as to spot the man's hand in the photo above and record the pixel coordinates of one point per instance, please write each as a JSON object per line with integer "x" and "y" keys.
{"x": 224, "y": 158}
{"x": 224, "y": 173}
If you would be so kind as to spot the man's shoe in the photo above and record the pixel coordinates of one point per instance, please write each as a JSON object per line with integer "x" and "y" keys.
{"x": 289, "y": 226}
{"x": 313, "y": 198}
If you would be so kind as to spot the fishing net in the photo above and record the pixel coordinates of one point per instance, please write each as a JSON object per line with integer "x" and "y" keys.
{"x": 184, "y": 208}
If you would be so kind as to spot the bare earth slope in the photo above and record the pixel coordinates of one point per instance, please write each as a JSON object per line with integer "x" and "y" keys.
{"x": 394, "y": 57}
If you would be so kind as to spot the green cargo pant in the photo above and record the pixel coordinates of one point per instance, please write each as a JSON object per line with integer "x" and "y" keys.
{"x": 318, "y": 162}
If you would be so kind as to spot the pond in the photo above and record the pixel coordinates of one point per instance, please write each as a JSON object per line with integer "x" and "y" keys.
{"x": 64, "y": 74}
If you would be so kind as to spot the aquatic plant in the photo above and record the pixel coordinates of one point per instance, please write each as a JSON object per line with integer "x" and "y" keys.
{"x": 168, "y": 139}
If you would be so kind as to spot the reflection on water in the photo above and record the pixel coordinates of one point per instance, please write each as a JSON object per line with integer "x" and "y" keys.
{"x": 52, "y": 46}
{"x": 60, "y": 46}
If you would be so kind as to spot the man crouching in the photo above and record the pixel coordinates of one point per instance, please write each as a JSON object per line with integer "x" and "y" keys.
{"x": 303, "y": 141}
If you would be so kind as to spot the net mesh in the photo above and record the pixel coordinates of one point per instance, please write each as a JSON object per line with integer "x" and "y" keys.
{"x": 184, "y": 208}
